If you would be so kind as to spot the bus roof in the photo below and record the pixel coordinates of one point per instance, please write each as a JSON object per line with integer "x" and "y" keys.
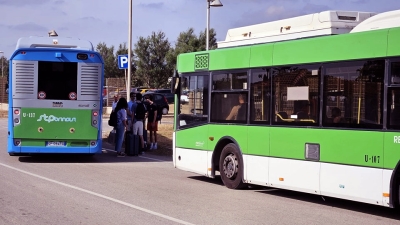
{"x": 380, "y": 21}
{"x": 317, "y": 24}
{"x": 53, "y": 42}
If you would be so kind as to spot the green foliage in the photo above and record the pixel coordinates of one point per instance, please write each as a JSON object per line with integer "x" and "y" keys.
{"x": 110, "y": 65}
{"x": 153, "y": 57}
{"x": 188, "y": 42}
{"x": 152, "y": 67}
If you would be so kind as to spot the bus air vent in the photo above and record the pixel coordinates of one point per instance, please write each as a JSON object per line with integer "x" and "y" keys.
{"x": 89, "y": 77}
{"x": 24, "y": 73}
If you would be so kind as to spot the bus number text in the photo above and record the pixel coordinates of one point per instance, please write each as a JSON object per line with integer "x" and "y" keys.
{"x": 372, "y": 158}
{"x": 31, "y": 115}
{"x": 396, "y": 139}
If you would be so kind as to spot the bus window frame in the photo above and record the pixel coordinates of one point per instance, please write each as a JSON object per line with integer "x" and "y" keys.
{"x": 179, "y": 113}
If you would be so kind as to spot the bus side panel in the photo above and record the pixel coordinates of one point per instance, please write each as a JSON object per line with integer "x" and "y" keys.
{"x": 294, "y": 175}
{"x": 236, "y": 133}
{"x": 332, "y": 48}
{"x": 256, "y": 161}
{"x": 193, "y": 138}
{"x": 391, "y": 154}
{"x": 358, "y": 148}
{"x": 261, "y": 55}
{"x": 11, "y": 148}
{"x": 256, "y": 169}
{"x": 230, "y": 58}
{"x": 355, "y": 183}
{"x": 190, "y": 150}
{"x": 192, "y": 160}
{"x": 387, "y": 176}
{"x": 393, "y": 48}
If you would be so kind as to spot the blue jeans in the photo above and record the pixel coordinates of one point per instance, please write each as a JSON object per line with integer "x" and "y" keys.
{"x": 119, "y": 137}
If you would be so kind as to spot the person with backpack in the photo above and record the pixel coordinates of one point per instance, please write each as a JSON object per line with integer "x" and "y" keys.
{"x": 129, "y": 111}
{"x": 152, "y": 125}
{"x": 138, "y": 116}
{"x": 121, "y": 125}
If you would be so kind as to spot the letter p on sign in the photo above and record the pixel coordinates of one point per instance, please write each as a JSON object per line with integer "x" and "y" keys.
{"x": 123, "y": 61}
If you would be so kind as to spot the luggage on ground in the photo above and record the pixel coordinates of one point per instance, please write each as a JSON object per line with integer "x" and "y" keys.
{"x": 132, "y": 144}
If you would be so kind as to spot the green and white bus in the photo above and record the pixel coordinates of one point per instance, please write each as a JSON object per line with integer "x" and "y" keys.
{"x": 310, "y": 104}
{"x": 55, "y": 103}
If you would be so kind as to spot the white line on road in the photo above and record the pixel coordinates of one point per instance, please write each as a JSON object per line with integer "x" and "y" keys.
{"x": 99, "y": 195}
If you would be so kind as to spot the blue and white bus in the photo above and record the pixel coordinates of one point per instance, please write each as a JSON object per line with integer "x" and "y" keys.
{"x": 55, "y": 103}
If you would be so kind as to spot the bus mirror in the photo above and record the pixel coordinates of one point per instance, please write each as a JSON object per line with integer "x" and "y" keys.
{"x": 175, "y": 85}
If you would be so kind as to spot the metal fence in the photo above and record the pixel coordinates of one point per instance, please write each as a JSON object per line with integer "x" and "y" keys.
{"x": 3, "y": 90}
{"x": 113, "y": 87}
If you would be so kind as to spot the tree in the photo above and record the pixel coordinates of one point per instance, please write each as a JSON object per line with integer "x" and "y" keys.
{"x": 212, "y": 44}
{"x": 110, "y": 62}
{"x": 188, "y": 42}
{"x": 150, "y": 59}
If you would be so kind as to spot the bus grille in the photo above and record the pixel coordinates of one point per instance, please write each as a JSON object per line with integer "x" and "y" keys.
{"x": 90, "y": 82}
{"x": 24, "y": 75}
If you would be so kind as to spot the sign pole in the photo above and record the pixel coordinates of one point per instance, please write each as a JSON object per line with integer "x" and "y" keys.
{"x": 128, "y": 90}
{"x": 127, "y": 87}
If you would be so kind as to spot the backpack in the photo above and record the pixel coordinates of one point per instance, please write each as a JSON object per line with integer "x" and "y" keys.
{"x": 113, "y": 119}
{"x": 140, "y": 112}
{"x": 159, "y": 113}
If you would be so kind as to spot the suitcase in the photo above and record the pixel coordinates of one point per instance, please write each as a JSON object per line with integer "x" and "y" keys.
{"x": 111, "y": 138}
{"x": 132, "y": 144}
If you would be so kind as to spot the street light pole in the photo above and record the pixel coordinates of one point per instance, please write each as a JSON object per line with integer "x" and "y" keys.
{"x": 128, "y": 85}
{"x": 213, "y": 3}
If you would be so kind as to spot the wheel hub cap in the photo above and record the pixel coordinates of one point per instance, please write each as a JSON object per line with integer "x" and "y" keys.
{"x": 230, "y": 166}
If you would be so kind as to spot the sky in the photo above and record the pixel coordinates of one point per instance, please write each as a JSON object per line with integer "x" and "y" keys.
{"x": 107, "y": 20}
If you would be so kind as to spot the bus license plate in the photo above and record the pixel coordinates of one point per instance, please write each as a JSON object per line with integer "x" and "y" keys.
{"x": 56, "y": 143}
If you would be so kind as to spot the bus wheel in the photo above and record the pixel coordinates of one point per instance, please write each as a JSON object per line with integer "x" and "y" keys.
{"x": 231, "y": 167}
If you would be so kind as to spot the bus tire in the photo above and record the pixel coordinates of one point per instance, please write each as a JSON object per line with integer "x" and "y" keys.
{"x": 231, "y": 167}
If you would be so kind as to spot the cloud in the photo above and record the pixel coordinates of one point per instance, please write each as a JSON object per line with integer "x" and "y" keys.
{"x": 158, "y": 5}
{"x": 59, "y": 2}
{"x": 28, "y": 27}
{"x": 312, "y": 8}
{"x": 275, "y": 10}
{"x": 23, "y": 2}
{"x": 360, "y": 1}
{"x": 90, "y": 19}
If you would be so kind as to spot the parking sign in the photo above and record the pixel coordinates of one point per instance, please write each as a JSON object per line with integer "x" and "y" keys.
{"x": 123, "y": 61}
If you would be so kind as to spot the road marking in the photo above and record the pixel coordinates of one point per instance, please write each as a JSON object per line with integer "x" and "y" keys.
{"x": 99, "y": 195}
{"x": 140, "y": 156}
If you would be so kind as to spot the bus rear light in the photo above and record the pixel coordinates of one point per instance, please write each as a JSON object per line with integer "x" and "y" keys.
{"x": 16, "y": 116}
{"x": 17, "y": 142}
{"x": 95, "y": 120}
{"x": 23, "y": 53}
{"x": 92, "y": 143}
